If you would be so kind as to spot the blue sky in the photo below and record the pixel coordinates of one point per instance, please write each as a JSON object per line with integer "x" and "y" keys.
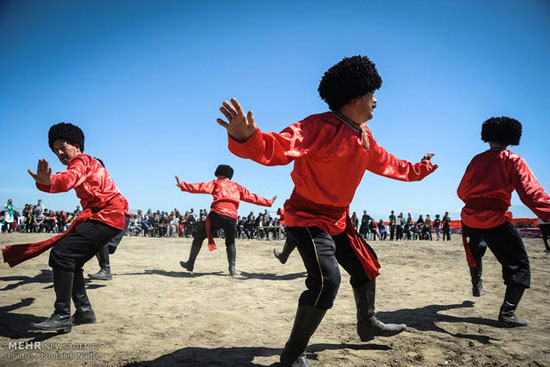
{"x": 144, "y": 80}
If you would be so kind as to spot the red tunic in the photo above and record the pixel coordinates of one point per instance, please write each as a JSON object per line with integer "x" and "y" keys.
{"x": 99, "y": 197}
{"x": 487, "y": 187}
{"x": 330, "y": 159}
{"x": 227, "y": 195}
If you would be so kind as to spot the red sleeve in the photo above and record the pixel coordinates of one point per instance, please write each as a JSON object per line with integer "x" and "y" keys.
{"x": 65, "y": 180}
{"x": 383, "y": 163}
{"x": 198, "y": 188}
{"x": 272, "y": 149}
{"x": 529, "y": 189}
{"x": 253, "y": 198}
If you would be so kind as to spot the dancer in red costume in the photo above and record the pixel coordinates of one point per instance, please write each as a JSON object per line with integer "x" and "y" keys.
{"x": 331, "y": 152}
{"x": 102, "y": 219}
{"x": 223, "y": 213}
{"x": 486, "y": 189}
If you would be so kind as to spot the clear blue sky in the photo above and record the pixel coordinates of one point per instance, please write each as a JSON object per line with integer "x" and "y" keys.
{"x": 144, "y": 80}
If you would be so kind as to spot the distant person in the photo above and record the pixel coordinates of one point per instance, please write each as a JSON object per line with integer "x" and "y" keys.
{"x": 373, "y": 229}
{"x": 50, "y": 221}
{"x": 38, "y": 222}
{"x": 399, "y": 224}
{"x": 437, "y": 224}
{"x": 364, "y": 227}
{"x": 223, "y": 213}
{"x": 355, "y": 221}
{"x": 392, "y": 221}
{"x": 382, "y": 232}
{"x": 38, "y": 207}
{"x": 409, "y": 224}
{"x": 486, "y": 189}
{"x": 427, "y": 228}
{"x": 446, "y": 227}
{"x": 9, "y": 217}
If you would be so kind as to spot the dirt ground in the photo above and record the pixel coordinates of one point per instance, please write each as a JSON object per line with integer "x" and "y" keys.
{"x": 153, "y": 313}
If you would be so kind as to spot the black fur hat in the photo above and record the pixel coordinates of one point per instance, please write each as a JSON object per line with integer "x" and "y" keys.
{"x": 351, "y": 78}
{"x": 66, "y": 131}
{"x": 224, "y": 170}
{"x": 503, "y": 130}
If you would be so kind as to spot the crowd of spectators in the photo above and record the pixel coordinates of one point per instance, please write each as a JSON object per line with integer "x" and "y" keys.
{"x": 35, "y": 218}
{"x": 399, "y": 228}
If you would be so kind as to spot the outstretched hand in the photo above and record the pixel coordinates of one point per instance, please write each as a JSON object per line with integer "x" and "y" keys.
{"x": 43, "y": 173}
{"x": 274, "y": 198}
{"x": 428, "y": 157}
{"x": 241, "y": 126}
{"x": 178, "y": 184}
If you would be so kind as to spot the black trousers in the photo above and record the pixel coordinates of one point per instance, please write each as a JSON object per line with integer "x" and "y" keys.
{"x": 399, "y": 232}
{"x": 321, "y": 254}
{"x": 446, "y": 234}
{"x": 392, "y": 231}
{"x": 217, "y": 221}
{"x": 115, "y": 241}
{"x": 80, "y": 245}
{"x": 507, "y": 246}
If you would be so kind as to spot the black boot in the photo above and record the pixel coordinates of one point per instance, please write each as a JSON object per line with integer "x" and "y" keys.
{"x": 368, "y": 326}
{"x": 60, "y": 320}
{"x": 189, "y": 265}
{"x": 287, "y": 250}
{"x": 507, "y": 317}
{"x": 306, "y": 322}
{"x": 477, "y": 282}
{"x": 84, "y": 313}
{"x": 231, "y": 256}
{"x": 103, "y": 258}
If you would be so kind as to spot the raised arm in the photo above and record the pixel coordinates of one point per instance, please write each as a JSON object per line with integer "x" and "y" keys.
{"x": 62, "y": 181}
{"x": 196, "y": 188}
{"x": 383, "y": 163}
{"x": 270, "y": 149}
{"x": 529, "y": 189}
{"x": 255, "y": 199}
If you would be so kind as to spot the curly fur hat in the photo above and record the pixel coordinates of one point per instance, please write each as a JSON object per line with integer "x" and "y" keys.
{"x": 351, "y": 78}
{"x": 224, "y": 170}
{"x": 66, "y": 131}
{"x": 503, "y": 130}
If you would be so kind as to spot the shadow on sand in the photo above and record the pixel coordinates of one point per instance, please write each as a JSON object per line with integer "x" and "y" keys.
{"x": 16, "y": 325}
{"x": 174, "y": 274}
{"x": 270, "y": 276}
{"x": 425, "y": 319}
{"x": 238, "y": 356}
{"x": 45, "y": 276}
{"x": 241, "y": 275}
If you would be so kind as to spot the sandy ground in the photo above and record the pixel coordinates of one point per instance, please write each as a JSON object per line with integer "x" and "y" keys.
{"x": 155, "y": 314}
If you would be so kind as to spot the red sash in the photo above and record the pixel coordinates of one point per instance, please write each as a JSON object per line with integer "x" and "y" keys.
{"x": 16, "y": 254}
{"x": 486, "y": 204}
{"x": 211, "y": 243}
{"x": 362, "y": 251}
{"x": 469, "y": 256}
